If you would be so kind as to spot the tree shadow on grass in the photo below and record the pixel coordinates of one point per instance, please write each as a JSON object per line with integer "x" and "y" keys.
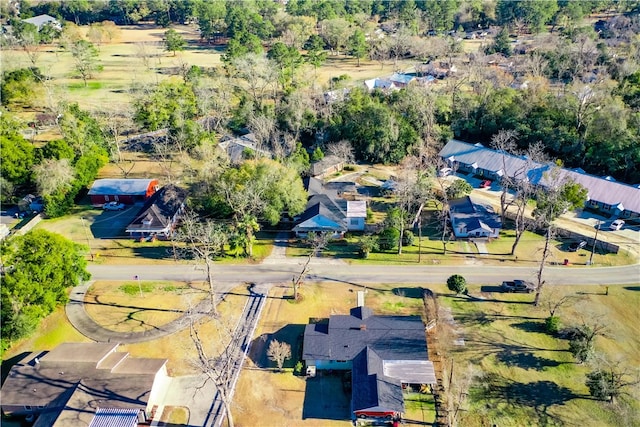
{"x": 527, "y": 360}
{"x": 529, "y": 326}
{"x": 471, "y": 298}
{"x": 408, "y": 292}
{"x": 481, "y": 345}
{"x": 291, "y": 334}
{"x": 538, "y": 396}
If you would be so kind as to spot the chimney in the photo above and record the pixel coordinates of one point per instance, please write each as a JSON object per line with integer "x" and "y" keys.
{"x": 360, "y": 299}
{"x": 363, "y": 327}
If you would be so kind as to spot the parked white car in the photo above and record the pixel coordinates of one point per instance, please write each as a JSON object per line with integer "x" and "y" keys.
{"x": 616, "y": 225}
{"x": 445, "y": 172}
{"x": 113, "y": 206}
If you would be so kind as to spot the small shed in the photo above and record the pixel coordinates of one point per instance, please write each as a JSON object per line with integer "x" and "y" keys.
{"x": 356, "y": 214}
{"x": 127, "y": 191}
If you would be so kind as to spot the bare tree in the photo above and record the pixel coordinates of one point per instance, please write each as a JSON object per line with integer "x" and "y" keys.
{"x": 400, "y": 44}
{"x": 505, "y": 143}
{"x": 546, "y": 251}
{"x": 536, "y": 65}
{"x": 258, "y": 74}
{"x": 553, "y": 302}
{"x": 143, "y": 52}
{"x": 412, "y": 191}
{"x": 459, "y": 383}
{"x": 516, "y": 188}
{"x": 204, "y": 241}
{"x": 163, "y": 153}
{"x": 557, "y": 195}
{"x": 52, "y": 175}
{"x": 279, "y": 352}
{"x": 218, "y": 370}
{"x": 379, "y": 50}
{"x": 263, "y": 128}
{"x": 115, "y": 121}
{"x": 610, "y": 380}
{"x": 318, "y": 242}
{"x": 214, "y": 98}
{"x": 343, "y": 150}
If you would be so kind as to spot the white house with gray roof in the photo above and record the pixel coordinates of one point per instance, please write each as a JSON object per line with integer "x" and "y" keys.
{"x": 604, "y": 194}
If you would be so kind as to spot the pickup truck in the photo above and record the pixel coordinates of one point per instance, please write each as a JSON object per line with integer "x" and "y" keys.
{"x": 518, "y": 286}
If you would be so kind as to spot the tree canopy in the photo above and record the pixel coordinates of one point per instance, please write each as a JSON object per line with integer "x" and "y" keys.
{"x": 40, "y": 267}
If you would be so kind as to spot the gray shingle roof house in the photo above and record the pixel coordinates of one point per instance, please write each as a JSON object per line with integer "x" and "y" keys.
{"x": 326, "y": 211}
{"x": 607, "y": 196}
{"x": 326, "y": 166}
{"x": 42, "y": 20}
{"x": 383, "y": 352}
{"x": 70, "y": 384}
{"x": 472, "y": 219}
{"x": 159, "y": 214}
{"x": 238, "y": 147}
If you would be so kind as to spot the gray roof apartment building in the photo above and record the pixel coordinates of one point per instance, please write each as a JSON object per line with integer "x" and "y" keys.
{"x": 604, "y": 194}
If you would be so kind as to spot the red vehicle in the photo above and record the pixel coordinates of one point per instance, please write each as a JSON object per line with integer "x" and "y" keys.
{"x": 485, "y": 184}
{"x": 389, "y": 415}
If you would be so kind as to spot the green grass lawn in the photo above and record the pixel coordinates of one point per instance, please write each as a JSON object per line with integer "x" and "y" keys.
{"x": 419, "y": 408}
{"x": 104, "y": 233}
{"x": 527, "y": 377}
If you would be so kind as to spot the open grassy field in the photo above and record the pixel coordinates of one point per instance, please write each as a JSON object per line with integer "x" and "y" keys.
{"x": 123, "y": 67}
{"x": 527, "y": 377}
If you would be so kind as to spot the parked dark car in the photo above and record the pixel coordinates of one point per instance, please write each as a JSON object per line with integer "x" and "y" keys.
{"x": 518, "y": 286}
{"x": 575, "y": 246}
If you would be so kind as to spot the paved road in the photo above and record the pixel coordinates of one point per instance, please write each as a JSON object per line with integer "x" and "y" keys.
{"x": 366, "y": 274}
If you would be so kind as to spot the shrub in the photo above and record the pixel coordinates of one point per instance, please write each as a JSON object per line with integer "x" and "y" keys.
{"x": 388, "y": 239}
{"x": 366, "y": 244}
{"x": 552, "y": 324}
{"x": 408, "y": 238}
{"x": 297, "y": 370}
{"x": 457, "y": 284}
{"x": 582, "y": 349}
{"x": 369, "y": 214}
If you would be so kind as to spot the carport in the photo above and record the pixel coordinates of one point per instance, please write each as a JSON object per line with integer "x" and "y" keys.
{"x": 410, "y": 371}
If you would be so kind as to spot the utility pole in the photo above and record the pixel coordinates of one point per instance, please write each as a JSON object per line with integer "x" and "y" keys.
{"x": 86, "y": 234}
{"x": 595, "y": 240}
